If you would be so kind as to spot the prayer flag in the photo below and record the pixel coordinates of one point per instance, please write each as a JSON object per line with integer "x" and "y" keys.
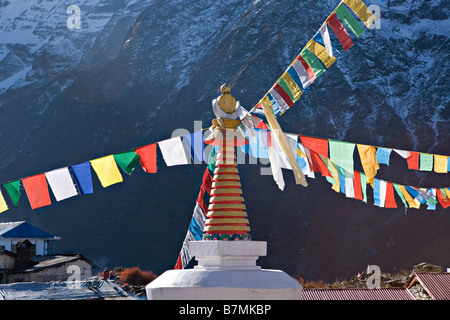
{"x": 312, "y": 61}
{"x": 127, "y": 161}
{"x": 357, "y": 185}
{"x": 426, "y": 162}
{"x": 13, "y": 189}
{"x": 400, "y": 194}
{"x": 413, "y": 203}
{"x": 368, "y": 161}
{"x": 292, "y": 86}
{"x": 448, "y": 164}
{"x": 362, "y": 11}
{"x": 432, "y": 204}
{"x": 440, "y": 163}
{"x": 275, "y": 166}
{"x": 413, "y": 160}
{"x": 195, "y": 143}
{"x": 349, "y": 187}
{"x": 383, "y": 155}
{"x": 107, "y": 171}
{"x": 326, "y": 40}
{"x": 278, "y": 103}
{"x": 377, "y": 192}
{"x": 3, "y": 205}
{"x": 37, "y": 191}
{"x": 349, "y": 20}
{"x": 364, "y": 186}
{"x": 173, "y": 152}
{"x": 283, "y": 145}
{"x": 83, "y": 177}
{"x": 320, "y": 52}
{"x": 444, "y": 200}
{"x": 61, "y": 183}
{"x": 317, "y": 147}
{"x": 390, "y": 199}
{"x": 340, "y": 32}
{"x": 147, "y": 157}
{"x": 341, "y": 154}
{"x": 404, "y": 154}
{"x": 284, "y": 95}
{"x": 302, "y": 72}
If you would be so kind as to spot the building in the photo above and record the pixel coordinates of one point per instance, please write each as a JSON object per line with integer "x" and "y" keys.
{"x": 13, "y": 232}
{"x": 26, "y": 255}
{"x": 430, "y": 286}
{"x": 421, "y": 286}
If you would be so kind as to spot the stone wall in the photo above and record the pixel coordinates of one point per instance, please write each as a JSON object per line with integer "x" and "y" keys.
{"x": 59, "y": 273}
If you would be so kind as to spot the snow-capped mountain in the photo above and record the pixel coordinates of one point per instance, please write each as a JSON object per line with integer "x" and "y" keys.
{"x": 134, "y": 71}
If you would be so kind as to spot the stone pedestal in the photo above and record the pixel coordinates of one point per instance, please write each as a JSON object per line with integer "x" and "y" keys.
{"x": 226, "y": 270}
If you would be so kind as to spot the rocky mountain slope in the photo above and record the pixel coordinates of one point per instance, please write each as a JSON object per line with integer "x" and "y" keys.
{"x": 137, "y": 70}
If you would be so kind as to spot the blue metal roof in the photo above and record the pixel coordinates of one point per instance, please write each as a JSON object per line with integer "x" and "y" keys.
{"x": 21, "y": 230}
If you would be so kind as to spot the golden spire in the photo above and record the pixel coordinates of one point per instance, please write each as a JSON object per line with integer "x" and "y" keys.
{"x": 227, "y": 216}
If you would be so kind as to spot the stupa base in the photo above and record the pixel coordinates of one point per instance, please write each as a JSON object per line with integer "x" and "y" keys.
{"x": 226, "y": 270}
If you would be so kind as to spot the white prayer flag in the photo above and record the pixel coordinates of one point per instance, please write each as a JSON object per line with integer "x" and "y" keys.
{"x": 326, "y": 39}
{"x": 173, "y": 152}
{"x": 302, "y": 74}
{"x": 61, "y": 183}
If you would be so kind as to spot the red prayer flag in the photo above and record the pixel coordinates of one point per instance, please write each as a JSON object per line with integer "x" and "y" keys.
{"x": 147, "y": 157}
{"x": 413, "y": 160}
{"x": 207, "y": 181}
{"x": 443, "y": 199}
{"x": 357, "y": 185}
{"x": 37, "y": 191}
{"x": 284, "y": 95}
{"x": 179, "y": 264}
{"x": 340, "y": 32}
{"x": 307, "y": 67}
{"x": 390, "y": 200}
{"x": 317, "y": 147}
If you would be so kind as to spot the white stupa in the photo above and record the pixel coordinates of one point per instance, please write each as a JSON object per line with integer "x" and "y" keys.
{"x": 226, "y": 255}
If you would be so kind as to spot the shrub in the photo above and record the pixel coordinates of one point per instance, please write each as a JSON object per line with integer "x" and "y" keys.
{"x": 136, "y": 276}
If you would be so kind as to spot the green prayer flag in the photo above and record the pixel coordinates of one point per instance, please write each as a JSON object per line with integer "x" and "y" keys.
{"x": 13, "y": 189}
{"x": 341, "y": 154}
{"x": 127, "y": 160}
{"x": 284, "y": 85}
{"x": 349, "y": 20}
{"x": 212, "y": 160}
{"x": 400, "y": 193}
{"x": 426, "y": 162}
{"x": 312, "y": 61}
{"x": 364, "y": 186}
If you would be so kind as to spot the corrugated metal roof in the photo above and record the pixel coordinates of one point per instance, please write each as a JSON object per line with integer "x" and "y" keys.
{"x": 437, "y": 284}
{"x": 77, "y": 290}
{"x": 357, "y": 294}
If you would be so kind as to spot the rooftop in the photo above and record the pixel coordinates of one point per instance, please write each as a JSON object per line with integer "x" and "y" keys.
{"x": 22, "y": 229}
{"x": 357, "y": 294}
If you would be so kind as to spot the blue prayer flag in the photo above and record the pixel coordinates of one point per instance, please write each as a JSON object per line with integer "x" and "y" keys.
{"x": 383, "y": 155}
{"x": 196, "y": 145}
{"x": 83, "y": 177}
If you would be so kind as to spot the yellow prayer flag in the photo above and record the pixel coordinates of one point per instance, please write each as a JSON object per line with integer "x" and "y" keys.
{"x": 368, "y": 155}
{"x": 337, "y": 185}
{"x": 362, "y": 11}
{"x": 3, "y": 205}
{"x": 281, "y": 139}
{"x": 440, "y": 163}
{"x": 295, "y": 89}
{"x": 267, "y": 101}
{"x": 107, "y": 171}
{"x": 320, "y": 52}
{"x": 413, "y": 203}
{"x": 447, "y": 192}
